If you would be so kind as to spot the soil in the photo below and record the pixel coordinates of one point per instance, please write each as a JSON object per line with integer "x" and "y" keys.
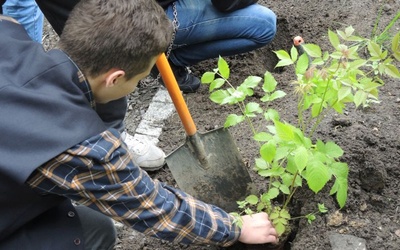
{"x": 369, "y": 137}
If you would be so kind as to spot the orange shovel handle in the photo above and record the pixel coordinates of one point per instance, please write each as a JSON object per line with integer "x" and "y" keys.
{"x": 176, "y": 95}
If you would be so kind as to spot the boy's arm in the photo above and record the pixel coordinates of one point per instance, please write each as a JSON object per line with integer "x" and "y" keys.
{"x": 99, "y": 173}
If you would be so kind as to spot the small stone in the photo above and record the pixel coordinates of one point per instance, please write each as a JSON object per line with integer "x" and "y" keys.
{"x": 363, "y": 207}
{"x": 397, "y": 232}
{"x": 336, "y": 219}
{"x": 387, "y": 7}
{"x": 346, "y": 242}
{"x": 341, "y": 122}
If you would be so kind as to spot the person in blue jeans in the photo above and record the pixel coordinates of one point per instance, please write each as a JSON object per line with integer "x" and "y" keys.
{"x": 28, "y": 14}
{"x": 206, "y": 29}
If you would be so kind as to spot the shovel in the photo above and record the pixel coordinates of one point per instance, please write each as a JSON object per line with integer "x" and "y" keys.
{"x": 208, "y": 166}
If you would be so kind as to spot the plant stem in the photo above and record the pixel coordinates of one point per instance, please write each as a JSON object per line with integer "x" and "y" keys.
{"x": 292, "y": 190}
{"x": 301, "y": 217}
{"x": 242, "y": 107}
{"x": 300, "y": 114}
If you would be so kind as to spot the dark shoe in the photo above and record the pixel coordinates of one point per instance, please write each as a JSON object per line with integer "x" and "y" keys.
{"x": 187, "y": 82}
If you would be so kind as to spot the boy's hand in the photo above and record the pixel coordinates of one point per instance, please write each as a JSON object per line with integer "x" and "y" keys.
{"x": 257, "y": 229}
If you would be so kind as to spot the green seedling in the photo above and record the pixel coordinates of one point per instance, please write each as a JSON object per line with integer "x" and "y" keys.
{"x": 289, "y": 155}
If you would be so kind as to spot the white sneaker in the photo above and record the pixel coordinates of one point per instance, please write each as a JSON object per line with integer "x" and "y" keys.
{"x": 144, "y": 153}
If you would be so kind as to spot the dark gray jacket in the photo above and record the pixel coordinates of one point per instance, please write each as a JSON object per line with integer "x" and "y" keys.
{"x": 43, "y": 112}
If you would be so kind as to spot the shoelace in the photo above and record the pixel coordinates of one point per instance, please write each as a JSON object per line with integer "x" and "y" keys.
{"x": 139, "y": 146}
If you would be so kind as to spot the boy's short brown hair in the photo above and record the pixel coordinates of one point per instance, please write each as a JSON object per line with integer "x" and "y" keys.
{"x": 125, "y": 34}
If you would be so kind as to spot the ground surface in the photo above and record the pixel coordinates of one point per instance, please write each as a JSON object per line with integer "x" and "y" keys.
{"x": 370, "y": 137}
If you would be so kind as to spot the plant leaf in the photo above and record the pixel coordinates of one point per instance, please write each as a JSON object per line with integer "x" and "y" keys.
{"x": 291, "y": 166}
{"x": 260, "y": 207}
{"x": 333, "y": 150}
{"x": 374, "y": 49}
{"x": 340, "y": 188}
{"x": 397, "y": 55}
{"x": 343, "y": 93}
{"x": 252, "y": 199}
{"x": 312, "y": 50}
{"x": 284, "y": 58}
{"x": 232, "y": 120}
{"x": 341, "y": 194}
{"x": 310, "y": 218}
{"x": 284, "y": 62}
{"x": 277, "y": 94}
{"x": 316, "y": 109}
{"x": 217, "y": 83}
{"x": 271, "y": 114}
{"x": 251, "y": 81}
{"x": 207, "y": 77}
{"x": 333, "y": 38}
{"x": 360, "y": 97}
{"x": 284, "y": 214}
{"x": 274, "y": 215}
{"x": 349, "y": 31}
{"x": 268, "y": 151}
{"x": 262, "y": 136}
{"x": 392, "y": 71}
{"x": 284, "y": 131}
{"x": 284, "y": 189}
{"x": 357, "y": 63}
{"x": 219, "y": 95}
{"x": 273, "y": 193}
{"x": 317, "y": 176}
{"x": 265, "y": 172}
{"x": 223, "y": 68}
{"x": 294, "y": 53}
{"x": 302, "y": 64}
{"x": 283, "y": 55}
{"x": 252, "y": 107}
{"x": 234, "y": 97}
{"x": 269, "y": 82}
{"x": 261, "y": 163}
{"x": 322, "y": 208}
{"x": 280, "y": 228}
{"x": 340, "y": 169}
{"x": 301, "y": 158}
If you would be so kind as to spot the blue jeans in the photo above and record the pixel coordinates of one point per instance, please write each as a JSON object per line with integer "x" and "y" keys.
{"x": 27, "y": 13}
{"x": 205, "y": 33}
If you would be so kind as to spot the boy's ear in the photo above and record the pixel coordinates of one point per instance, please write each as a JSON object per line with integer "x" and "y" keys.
{"x": 112, "y": 76}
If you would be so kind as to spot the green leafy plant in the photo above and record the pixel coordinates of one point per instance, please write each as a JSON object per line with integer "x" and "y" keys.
{"x": 289, "y": 156}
